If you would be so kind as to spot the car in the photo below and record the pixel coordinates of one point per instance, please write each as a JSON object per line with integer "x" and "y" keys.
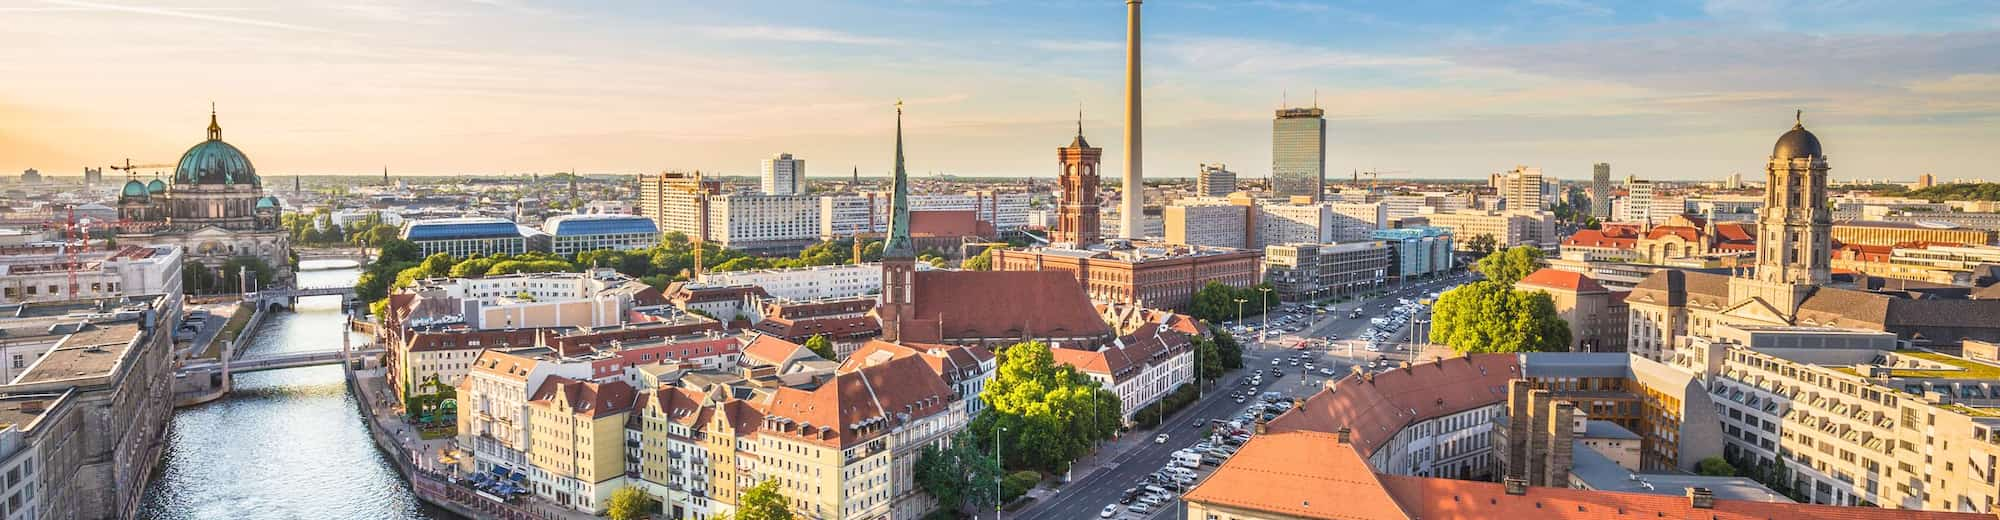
{"x": 1109, "y": 511}
{"x": 1326, "y": 371}
{"x": 1139, "y": 508}
{"x": 1239, "y": 399}
{"x": 1160, "y": 439}
{"x": 1198, "y": 423}
{"x": 1274, "y": 362}
{"x": 1295, "y": 362}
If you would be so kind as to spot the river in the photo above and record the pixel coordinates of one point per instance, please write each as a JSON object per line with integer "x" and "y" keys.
{"x": 285, "y": 444}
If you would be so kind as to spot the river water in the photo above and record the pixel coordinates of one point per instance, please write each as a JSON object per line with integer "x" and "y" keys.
{"x": 285, "y": 444}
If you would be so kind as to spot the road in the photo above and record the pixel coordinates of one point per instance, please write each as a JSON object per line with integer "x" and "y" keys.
{"x": 1090, "y": 493}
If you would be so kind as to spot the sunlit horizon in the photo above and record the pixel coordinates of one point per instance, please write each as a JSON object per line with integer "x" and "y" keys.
{"x": 1673, "y": 91}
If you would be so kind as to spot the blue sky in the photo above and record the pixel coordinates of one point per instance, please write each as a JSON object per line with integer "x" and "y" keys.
{"x": 1671, "y": 90}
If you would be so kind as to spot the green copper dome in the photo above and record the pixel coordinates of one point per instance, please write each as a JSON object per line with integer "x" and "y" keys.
{"x": 134, "y": 188}
{"x": 215, "y": 162}
{"x": 267, "y": 202}
{"x": 156, "y": 187}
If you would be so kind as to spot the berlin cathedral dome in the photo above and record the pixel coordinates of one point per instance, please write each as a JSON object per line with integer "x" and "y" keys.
{"x": 215, "y": 162}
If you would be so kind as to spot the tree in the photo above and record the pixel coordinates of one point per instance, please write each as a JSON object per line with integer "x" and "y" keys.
{"x": 196, "y": 279}
{"x": 1214, "y": 302}
{"x": 1046, "y": 415}
{"x": 628, "y": 503}
{"x": 821, "y": 346}
{"x": 1210, "y": 360}
{"x": 1486, "y": 316}
{"x": 1715, "y": 467}
{"x": 982, "y": 262}
{"x": 1482, "y": 244}
{"x": 233, "y": 269}
{"x": 1226, "y": 347}
{"x": 762, "y": 502}
{"x": 1510, "y": 265}
{"x": 958, "y": 475}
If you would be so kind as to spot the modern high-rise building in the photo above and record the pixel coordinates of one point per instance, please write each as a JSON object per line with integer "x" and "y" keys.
{"x": 1077, "y": 218}
{"x": 784, "y": 175}
{"x": 1600, "y": 191}
{"x": 1215, "y": 180}
{"x": 1926, "y": 181}
{"x": 1522, "y": 188}
{"x": 1638, "y": 201}
{"x": 1298, "y": 152}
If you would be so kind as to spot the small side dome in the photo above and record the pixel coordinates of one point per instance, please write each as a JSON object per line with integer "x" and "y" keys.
{"x": 267, "y": 202}
{"x": 134, "y": 188}
{"x": 156, "y": 187}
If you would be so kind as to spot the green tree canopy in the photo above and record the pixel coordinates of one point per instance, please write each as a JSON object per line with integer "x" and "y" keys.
{"x": 1216, "y": 302}
{"x": 1481, "y": 244}
{"x": 1510, "y": 265}
{"x": 1715, "y": 467}
{"x": 762, "y": 502}
{"x": 982, "y": 262}
{"x": 958, "y": 475}
{"x": 1486, "y": 316}
{"x": 1045, "y": 414}
{"x": 818, "y": 344}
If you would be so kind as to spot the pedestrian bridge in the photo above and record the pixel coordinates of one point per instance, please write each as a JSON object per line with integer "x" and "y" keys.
{"x": 282, "y": 361}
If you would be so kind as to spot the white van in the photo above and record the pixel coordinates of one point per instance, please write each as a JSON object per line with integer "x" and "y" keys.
{"x": 1187, "y": 458}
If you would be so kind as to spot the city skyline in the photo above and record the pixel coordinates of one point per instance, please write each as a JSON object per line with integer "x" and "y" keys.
{"x": 497, "y": 87}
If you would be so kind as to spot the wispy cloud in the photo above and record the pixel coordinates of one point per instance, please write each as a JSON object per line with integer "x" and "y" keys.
{"x": 206, "y": 16}
{"x": 792, "y": 34}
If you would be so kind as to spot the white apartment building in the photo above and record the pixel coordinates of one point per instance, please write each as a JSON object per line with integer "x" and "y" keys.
{"x": 1354, "y": 221}
{"x": 1507, "y": 228}
{"x": 846, "y": 215}
{"x": 1207, "y": 223}
{"x": 1293, "y": 224}
{"x": 784, "y": 175}
{"x": 1141, "y": 370}
{"x": 807, "y": 283}
{"x": 598, "y": 298}
{"x": 755, "y": 221}
{"x": 30, "y": 274}
{"x": 346, "y": 217}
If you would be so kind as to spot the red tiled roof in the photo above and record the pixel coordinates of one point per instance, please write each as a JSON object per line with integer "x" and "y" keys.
{"x": 1299, "y": 475}
{"x": 1597, "y": 238}
{"x": 585, "y": 397}
{"x": 952, "y": 363}
{"x": 1376, "y": 407}
{"x": 850, "y": 327}
{"x": 861, "y": 404}
{"x": 472, "y": 339}
{"x": 1686, "y": 233}
{"x": 1734, "y": 232}
{"x": 1001, "y": 304}
{"x": 771, "y": 349}
{"x": 1565, "y": 280}
{"x": 1445, "y": 499}
{"x": 504, "y": 364}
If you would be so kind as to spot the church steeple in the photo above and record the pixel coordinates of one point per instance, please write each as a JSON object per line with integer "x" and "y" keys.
{"x": 897, "y": 305}
{"x": 898, "y": 245}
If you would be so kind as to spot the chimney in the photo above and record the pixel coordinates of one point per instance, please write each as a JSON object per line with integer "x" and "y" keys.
{"x": 1344, "y": 434}
{"x": 1515, "y": 486}
{"x": 1701, "y": 498}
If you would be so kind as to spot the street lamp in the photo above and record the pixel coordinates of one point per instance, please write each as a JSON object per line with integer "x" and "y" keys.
{"x": 1239, "y": 311}
{"x": 1266, "y": 301}
{"x": 999, "y": 477}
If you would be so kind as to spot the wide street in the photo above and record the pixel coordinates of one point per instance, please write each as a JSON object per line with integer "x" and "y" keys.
{"x": 1088, "y": 495}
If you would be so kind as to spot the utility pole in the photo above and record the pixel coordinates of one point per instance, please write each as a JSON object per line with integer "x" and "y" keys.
{"x": 1265, "y": 332}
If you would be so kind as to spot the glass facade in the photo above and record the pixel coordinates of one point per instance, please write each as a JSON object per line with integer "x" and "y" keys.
{"x": 1298, "y": 152}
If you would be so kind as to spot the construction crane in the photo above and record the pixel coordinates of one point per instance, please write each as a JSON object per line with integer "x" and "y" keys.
{"x": 128, "y": 167}
{"x": 1375, "y": 175}
{"x": 76, "y": 242}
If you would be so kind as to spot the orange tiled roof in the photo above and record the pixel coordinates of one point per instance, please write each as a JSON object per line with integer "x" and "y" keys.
{"x": 1444, "y": 499}
{"x": 1377, "y": 406}
{"x": 859, "y": 405}
{"x": 1001, "y": 304}
{"x": 1597, "y": 238}
{"x": 584, "y": 397}
{"x": 1565, "y": 280}
{"x": 1300, "y": 475}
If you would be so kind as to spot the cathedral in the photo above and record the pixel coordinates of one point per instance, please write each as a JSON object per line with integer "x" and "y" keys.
{"x": 1792, "y": 282}
{"x": 215, "y": 209}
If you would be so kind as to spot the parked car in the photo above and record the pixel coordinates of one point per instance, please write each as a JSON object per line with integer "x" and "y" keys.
{"x": 1160, "y": 439}
{"x": 1108, "y": 512}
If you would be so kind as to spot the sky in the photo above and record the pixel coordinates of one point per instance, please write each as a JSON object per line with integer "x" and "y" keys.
{"x": 1662, "y": 89}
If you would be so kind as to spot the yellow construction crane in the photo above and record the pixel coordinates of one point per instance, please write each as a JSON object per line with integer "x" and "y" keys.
{"x": 128, "y": 167}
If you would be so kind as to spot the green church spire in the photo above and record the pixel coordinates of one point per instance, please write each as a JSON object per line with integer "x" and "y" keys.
{"x": 899, "y": 206}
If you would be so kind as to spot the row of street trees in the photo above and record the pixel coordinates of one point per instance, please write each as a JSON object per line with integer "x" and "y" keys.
{"x": 1216, "y": 302}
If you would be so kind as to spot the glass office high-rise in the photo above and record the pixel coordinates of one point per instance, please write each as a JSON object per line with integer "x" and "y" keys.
{"x": 1298, "y": 152}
